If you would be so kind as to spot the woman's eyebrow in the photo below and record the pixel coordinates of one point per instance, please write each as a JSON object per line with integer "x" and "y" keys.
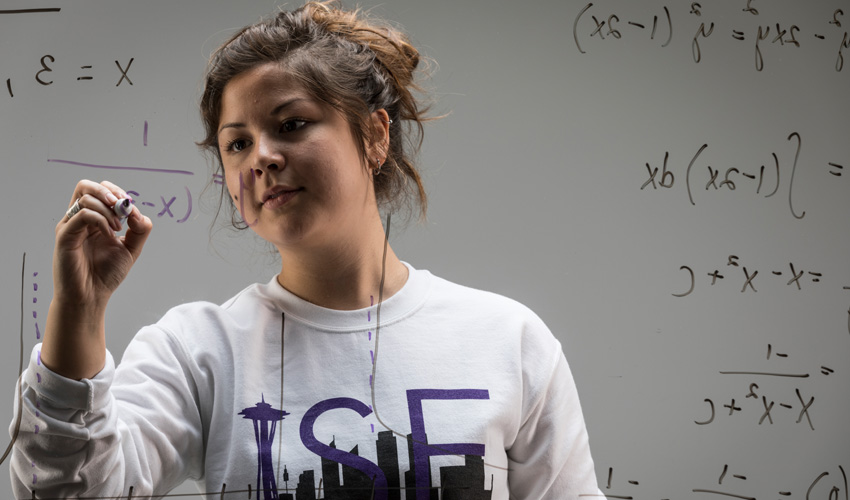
{"x": 285, "y": 104}
{"x": 277, "y": 109}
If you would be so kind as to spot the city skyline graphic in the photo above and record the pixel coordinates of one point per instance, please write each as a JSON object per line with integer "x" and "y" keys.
{"x": 265, "y": 420}
{"x": 333, "y": 480}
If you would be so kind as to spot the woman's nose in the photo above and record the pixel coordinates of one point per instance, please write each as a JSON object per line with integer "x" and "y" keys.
{"x": 268, "y": 157}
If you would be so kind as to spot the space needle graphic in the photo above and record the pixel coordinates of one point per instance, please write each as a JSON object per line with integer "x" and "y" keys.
{"x": 265, "y": 422}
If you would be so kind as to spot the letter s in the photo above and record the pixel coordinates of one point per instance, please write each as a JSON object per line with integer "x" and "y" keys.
{"x": 311, "y": 443}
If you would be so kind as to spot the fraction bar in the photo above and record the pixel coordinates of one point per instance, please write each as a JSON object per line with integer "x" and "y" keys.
{"x": 794, "y": 375}
{"x": 29, "y": 11}
{"x": 724, "y": 494}
{"x": 114, "y": 167}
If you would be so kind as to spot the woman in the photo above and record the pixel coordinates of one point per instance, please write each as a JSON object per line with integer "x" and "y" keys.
{"x": 350, "y": 374}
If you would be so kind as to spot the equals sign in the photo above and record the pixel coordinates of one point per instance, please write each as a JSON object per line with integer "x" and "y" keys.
{"x": 218, "y": 179}
{"x": 826, "y": 371}
{"x": 839, "y": 167}
{"x": 84, "y": 77}
{"x": 737, "y": 35}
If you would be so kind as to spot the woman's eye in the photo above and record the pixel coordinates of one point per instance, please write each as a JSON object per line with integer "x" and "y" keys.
{"x": 292, "y": 125}
{"x": 236, "y": 145}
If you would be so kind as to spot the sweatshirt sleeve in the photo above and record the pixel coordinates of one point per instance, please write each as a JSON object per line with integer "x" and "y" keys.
{"x": 136, "y": 428}
{"x": 550, "y": 458}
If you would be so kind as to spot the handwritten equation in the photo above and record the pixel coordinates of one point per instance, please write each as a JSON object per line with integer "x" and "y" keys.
{"x": 44, "y": 74}
{"x": 760, "y": 404}
{"x": 763, "y": 180}
{"x": 827, "y": 485}
{"x": 43, "y": 70}
{"x": 790, "y": 276}
{"x": 599, "y": 24}
{"x": 170, "y": 206}
{"x": 177, "y": 207}
{"x": 166, "y": 205}
{"x": 745, "y": 279}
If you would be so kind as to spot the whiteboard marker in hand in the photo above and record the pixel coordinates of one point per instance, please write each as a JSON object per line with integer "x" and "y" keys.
{"x": 123, "y": 208}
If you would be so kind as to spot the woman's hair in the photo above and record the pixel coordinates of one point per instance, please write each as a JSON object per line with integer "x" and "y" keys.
{"x": 342, "y": 58}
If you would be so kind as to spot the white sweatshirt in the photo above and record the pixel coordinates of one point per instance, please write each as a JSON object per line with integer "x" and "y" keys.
{"x": 473, "y": 398}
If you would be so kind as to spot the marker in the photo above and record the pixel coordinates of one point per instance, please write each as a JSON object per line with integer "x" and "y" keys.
{"x": 123, "y": 207}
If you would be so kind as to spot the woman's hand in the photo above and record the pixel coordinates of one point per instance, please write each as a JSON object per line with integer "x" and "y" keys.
{"x": 89, "y": 263}
{"x": 89, "y": 260}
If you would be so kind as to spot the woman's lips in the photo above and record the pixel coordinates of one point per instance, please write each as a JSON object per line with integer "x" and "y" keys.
{"x": 279, "y": 197}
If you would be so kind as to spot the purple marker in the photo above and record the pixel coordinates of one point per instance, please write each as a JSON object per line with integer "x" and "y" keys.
{"x": 123, "y": 207}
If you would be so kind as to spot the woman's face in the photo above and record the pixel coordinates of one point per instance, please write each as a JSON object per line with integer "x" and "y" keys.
{"x": 291, "y": 163}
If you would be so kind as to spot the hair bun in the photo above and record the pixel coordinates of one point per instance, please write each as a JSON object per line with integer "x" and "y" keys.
{"x": 391, "y": 46}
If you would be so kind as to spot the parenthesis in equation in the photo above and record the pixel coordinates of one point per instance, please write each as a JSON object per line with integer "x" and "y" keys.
{"x": 589, "y": 5}
{"x": 693, "y": 282}
{"x": 189, "y": 200}
{"x": 834, "y": 489}
{"x": 793, "y": 170}
{"x": 776, "y": 162}
{"x": 688, "y": 173}
{"x": 670, "y": 25}
{"x": 575, "y": 26}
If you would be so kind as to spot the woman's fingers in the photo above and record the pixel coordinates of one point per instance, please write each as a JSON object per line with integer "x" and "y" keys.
{"x": 90, "y": 260}
{"x": 105, "y": 191}
{"x": 116, "y": 191}
{"x": 94, "y": 205}
{"x": 100, "y": 198}
{"x": 76, "y": 229}
{"x": 138, "y": 229}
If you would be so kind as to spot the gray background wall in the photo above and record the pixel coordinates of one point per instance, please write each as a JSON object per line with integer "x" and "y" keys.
{"x": 541, "y": 189}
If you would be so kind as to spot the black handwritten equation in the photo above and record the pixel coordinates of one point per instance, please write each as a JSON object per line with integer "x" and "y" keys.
{"x": 44, "y": 74}
{"x": 596, "y": 23}
{"x": 745, "y": 280}
{"x": 736, "y": 276}
{"x": 793, "y": 406}
{"x": 43, "y": 70}
{"x": 763, "y": 181}
{"x": 827, "y": 485}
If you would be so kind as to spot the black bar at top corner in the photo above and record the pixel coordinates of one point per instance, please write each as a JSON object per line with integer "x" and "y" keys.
{"x": 29, "y": 11}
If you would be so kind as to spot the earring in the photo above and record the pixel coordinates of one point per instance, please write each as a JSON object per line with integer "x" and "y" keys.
{"x": 378, "y": 165}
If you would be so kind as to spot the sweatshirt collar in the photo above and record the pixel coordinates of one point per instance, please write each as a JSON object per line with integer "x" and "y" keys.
{"x": 405, "y": 302}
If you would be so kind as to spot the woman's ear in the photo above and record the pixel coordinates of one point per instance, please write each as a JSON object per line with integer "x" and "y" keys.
{"x": 379, "y": 143}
